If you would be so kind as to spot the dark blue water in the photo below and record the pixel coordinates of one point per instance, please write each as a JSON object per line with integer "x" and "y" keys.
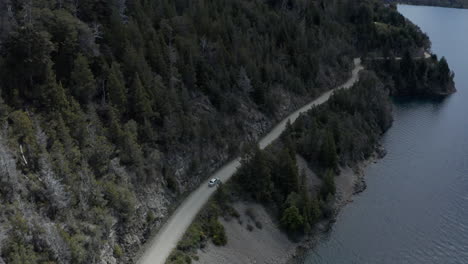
{"x": 415, "y": 209}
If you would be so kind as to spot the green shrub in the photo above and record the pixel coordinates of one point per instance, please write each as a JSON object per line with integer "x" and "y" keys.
{"x": 192, "y": 238}
{"x": 118, "y": 252}
{"x": 292, "y": 220}
{"x": 233, "y": 212}
{"x": 76, "y": 244}
{"x": 150, "y": 217}
{"x": 120, "y": 198}
{"x": 178, "y": 257}
{"x": 217, "y": 232}
{"x": 172, "y": 184}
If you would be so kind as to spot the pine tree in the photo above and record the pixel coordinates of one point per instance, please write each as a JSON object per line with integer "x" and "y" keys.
{"x": 140, "y": 104}
{"x": 82, "y": 80}
{"x": 262, "y": 177}
{"x": 316, "y": 213}
{"x": 256, "y": 175}
{"x": 53, "y": 94}
{"x": 292, "y": 219}
{"x": 115, "y": 132}
{"x": 130, "y": 149}
{"x": 444, "y": 71}
{"x": 117, "y": 89}
{"x": 328, "y": 154}
{"x": 328, "y": 186}
{"x": 288, "y": 172}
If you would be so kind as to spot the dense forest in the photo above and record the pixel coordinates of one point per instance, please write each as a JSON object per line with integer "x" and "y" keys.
{"x": 342, "y": 132}
{"x": 415, "y": 77}
{"x": 111, "y": 110}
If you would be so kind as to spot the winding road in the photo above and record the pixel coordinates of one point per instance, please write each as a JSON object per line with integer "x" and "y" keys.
{"x": 160, "y": 246}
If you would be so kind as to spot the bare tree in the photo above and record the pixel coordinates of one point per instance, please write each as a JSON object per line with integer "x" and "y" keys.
{"x": 244, "y": 82}
{"x": 58, "y": 196}
{"x": 27, "y": 12}
{"x": 85, "y": 187}
{"x": 3, "y": 237}
{"x": 87, "y": 35}
{"x": 56, "y": 192}
{"x": 96, "y": 30}
{"x": 203, "y": 44}
{"x": 7, "y": 19}
{"x": 8, "y": 172}
{"x": 122, "y": 8}
{"x": 56, "y": 243}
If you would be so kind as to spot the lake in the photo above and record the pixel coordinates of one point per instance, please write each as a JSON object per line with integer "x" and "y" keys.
{"x": 415, "y": 208}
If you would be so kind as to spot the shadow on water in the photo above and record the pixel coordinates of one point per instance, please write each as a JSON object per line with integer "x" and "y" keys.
{"x": 435, "y": 103}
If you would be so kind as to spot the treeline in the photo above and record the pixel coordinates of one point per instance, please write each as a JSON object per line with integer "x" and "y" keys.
{"x": 341, "y": 132}
{"x": 383, "y": 31}
{"x": 415, "y": 76}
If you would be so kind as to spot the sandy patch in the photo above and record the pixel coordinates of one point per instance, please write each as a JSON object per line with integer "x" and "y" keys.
{"x": 265, "y": 245}
{"x": 345, "y": 186}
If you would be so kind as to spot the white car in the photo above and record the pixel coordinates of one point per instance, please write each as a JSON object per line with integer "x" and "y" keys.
{"x": 214, "y": 182}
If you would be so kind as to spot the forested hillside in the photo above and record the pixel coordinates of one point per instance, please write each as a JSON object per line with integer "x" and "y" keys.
{"x": 111, "y": 110}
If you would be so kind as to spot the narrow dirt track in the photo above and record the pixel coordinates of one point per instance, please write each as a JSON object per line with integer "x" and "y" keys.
{"x": 159, "y": 247}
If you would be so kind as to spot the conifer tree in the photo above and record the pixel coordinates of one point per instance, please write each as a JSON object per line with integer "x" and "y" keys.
{"x": 82, "y": 80}
{"x": 328, "y": 187}
{"x": 328, "y": 153}
{"x": 288, "y": 172}
{"x": 444, "y": 71}
{"x": 292, "y": 219}
{"x": 140, "y": 104}
{"x": 117, "y": 89}
{"x": 53, "y": 94}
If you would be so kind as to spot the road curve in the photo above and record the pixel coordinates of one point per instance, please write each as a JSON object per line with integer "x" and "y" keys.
{"x": 159, "y": 247}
